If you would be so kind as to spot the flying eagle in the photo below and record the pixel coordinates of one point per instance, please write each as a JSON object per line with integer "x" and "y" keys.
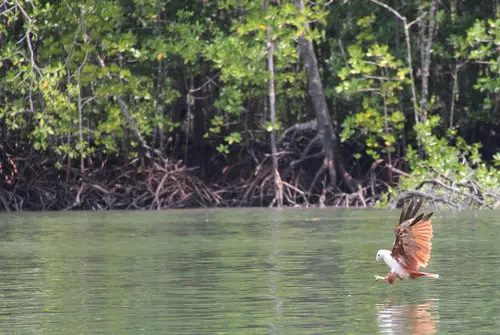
{"x": 412, "y": 247}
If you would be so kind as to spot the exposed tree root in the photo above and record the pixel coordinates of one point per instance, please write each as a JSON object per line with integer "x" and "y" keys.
{"x": 454, "y": 194}
{"x": 297, "y": 139}
{"x": 260, "y": 189}
{"x": 167, "y": 184}
{"x": 164, "y": 185}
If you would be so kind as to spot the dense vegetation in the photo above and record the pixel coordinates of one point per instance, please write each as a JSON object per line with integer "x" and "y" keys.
{"x": 158, "y": 104}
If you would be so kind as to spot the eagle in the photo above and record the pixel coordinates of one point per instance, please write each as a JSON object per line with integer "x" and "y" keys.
{"x": 412, "y": 247}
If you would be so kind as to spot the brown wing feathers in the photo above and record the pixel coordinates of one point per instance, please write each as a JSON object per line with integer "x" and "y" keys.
{"x": 420, "y": 243}
{"x": 413, "y": 238}
{"x": 410, "y": 212}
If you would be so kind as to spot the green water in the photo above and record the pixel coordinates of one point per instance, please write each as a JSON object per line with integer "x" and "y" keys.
{"x": 241, "y": 272}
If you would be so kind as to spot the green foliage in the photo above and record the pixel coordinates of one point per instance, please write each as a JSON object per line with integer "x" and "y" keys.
{"x": 234, "y": 137}
{"x": 480, "y": 45}
{"x": 63, "y": 63}
{"x": 374, "y": 74}
{"x": 386, "y": 198}
{"x": 223, "y": 148}
{"x": 450, "y": 160}
{"x": 273, "y": 126}
{"x": 217, "y": 122}
{"x": 79, "y": 66}
{"x": 241, "y": 57}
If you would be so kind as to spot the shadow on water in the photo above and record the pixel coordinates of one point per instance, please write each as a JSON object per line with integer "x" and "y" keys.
{"x": 403, "y": 318}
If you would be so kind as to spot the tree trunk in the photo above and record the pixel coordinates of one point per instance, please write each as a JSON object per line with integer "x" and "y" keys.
{"x": 272, "y": 109}
{"x": 332, "y": 159}
{"x": 426, "y": 57}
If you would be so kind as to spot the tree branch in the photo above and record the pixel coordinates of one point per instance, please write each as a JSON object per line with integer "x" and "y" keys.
{"x": 420, "y": 194}
{"x": 305, "y": 126}
{"x": 130, "y": 121}
{"x": 408, "y": 53}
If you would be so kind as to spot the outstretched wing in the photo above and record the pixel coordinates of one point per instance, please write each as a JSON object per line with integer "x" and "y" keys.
{"x": 412, "y": 247}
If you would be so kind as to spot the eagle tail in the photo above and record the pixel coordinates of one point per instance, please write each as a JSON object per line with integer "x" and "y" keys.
{"x": 417, "y": 274}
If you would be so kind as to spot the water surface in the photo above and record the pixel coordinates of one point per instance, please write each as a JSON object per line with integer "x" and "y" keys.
{"x": 241, "y": 272}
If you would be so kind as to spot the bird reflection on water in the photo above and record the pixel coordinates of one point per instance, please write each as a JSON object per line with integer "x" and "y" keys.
{"x": 415, "y": 319}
